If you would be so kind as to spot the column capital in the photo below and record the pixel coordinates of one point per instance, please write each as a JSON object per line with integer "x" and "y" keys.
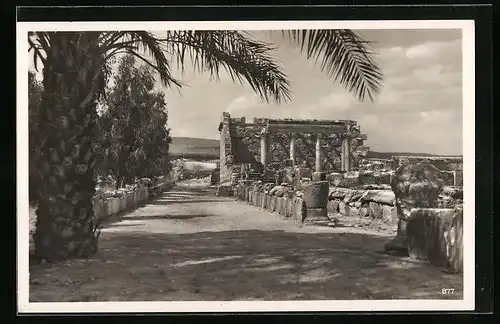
{"x": 264, "y": 131}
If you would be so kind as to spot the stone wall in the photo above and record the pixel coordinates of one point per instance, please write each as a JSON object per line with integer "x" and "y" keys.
{"x": 373, "y": 203}
{"x": 358, "y": 179}
{"x": 378, "y": 202}
{"x": 107, "y": 207}
{"x": 434, "y": 234}
{"x": 282, "y": 200}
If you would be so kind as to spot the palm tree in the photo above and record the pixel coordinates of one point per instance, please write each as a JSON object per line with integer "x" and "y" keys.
{"x": 75, "y": 67}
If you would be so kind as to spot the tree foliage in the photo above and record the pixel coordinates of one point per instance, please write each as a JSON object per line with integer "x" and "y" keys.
{"x": 135, "y": 137}
{"x": 35, "y": 90}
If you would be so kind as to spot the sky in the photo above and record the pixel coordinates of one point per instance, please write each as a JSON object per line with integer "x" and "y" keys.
{"x": 419, "y": 108}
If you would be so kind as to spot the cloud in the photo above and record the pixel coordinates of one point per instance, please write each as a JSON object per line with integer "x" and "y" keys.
{"x": 428, "y": 74}
{"x": 339, "y": 100}
{"x": 435, "y": 116}
{"x": 242, "y": 103}
{"x": 431, "y": 49}
{"x": 369, "y": 121}
{"x": 440, "y": 50}
{"x": 391, "y": 52}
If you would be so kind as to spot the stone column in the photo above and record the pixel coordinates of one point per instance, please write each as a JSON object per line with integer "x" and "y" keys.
{"x": 264, "y": 148}
{"x": 292, "y": 147}
{"x": 319, "y": 157}
{"x": 346, "y": 152}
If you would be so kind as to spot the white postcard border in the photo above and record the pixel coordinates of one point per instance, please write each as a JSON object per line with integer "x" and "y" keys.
{"x": 468, "y": 106}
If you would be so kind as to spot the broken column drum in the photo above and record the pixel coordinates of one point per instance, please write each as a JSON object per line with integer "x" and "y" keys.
{"x": 415, "y": 185}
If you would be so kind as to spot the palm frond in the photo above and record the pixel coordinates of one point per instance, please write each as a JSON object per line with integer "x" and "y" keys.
{"x": 138, "y": 43}
{"x": 39, "y": 43}
{"x": 241, "y": 57}
{"x": 343, "y": 55}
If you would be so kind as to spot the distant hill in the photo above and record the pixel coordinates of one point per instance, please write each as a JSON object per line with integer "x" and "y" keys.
{"x": 194, "y": 148}
{"x": 208, "y": 149}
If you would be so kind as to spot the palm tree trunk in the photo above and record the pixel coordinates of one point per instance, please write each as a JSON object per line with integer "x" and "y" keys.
{"x": 66, "y": 227}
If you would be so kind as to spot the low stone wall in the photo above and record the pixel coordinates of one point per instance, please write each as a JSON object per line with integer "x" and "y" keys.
{"x": 106, "y": 208}
{"x": 373, "y": 203}
{"x": 281, "y": 200}
{"x": 378, "y": 203}
{"x": 435, "y": 235}
{"x": 356, "y": 179}
{"x": 128, "y": 200}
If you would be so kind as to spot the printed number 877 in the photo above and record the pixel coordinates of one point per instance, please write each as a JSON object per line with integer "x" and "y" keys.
{"x": 447, "y": 291}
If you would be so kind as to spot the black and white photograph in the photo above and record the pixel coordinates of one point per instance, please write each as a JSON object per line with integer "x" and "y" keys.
{"x": 245, "y": 166}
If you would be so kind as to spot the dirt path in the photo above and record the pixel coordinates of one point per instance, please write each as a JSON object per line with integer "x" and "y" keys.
{"x": 191, "y": 245}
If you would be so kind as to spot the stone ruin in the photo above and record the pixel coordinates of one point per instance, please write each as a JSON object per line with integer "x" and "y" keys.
{"x": 271, "y": 144}
{"x": 308, "y": 169}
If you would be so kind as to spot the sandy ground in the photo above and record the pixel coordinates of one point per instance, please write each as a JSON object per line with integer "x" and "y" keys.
{"x": 191, "y": 245}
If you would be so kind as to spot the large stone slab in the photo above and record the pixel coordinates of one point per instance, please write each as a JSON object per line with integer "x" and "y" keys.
{"x": 353, "y": 211}
{"x": 99, "y": 209}
{"x": 374, "y": 210}
{"x": 454, "y": 242}
{"x": 433, "y": 234}
{"x": 415, "y": 185}
{"x": 338, "y": 193}
{"x": 299, "y": 210}
{"x": 344, "y": 208}
{"x": 386, "y": 197}
{"x": 272, "y": 204}
{"x": 333, "y": 206}
{"x": 123, "y": 203}
{"x": 288, "y": 206}
{"x": 353, "y": 196}
{"x": 363, "y": 211}
{"x": 458, "y": 178}
{"x": 389, "y": 214}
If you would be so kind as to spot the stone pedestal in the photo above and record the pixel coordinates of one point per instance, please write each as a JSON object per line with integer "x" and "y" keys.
{"x": 415, "y": 185}
{"x": 315, "y": 197}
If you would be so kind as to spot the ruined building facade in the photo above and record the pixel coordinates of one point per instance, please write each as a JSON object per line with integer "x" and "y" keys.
{"x": 322, "y": 145}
